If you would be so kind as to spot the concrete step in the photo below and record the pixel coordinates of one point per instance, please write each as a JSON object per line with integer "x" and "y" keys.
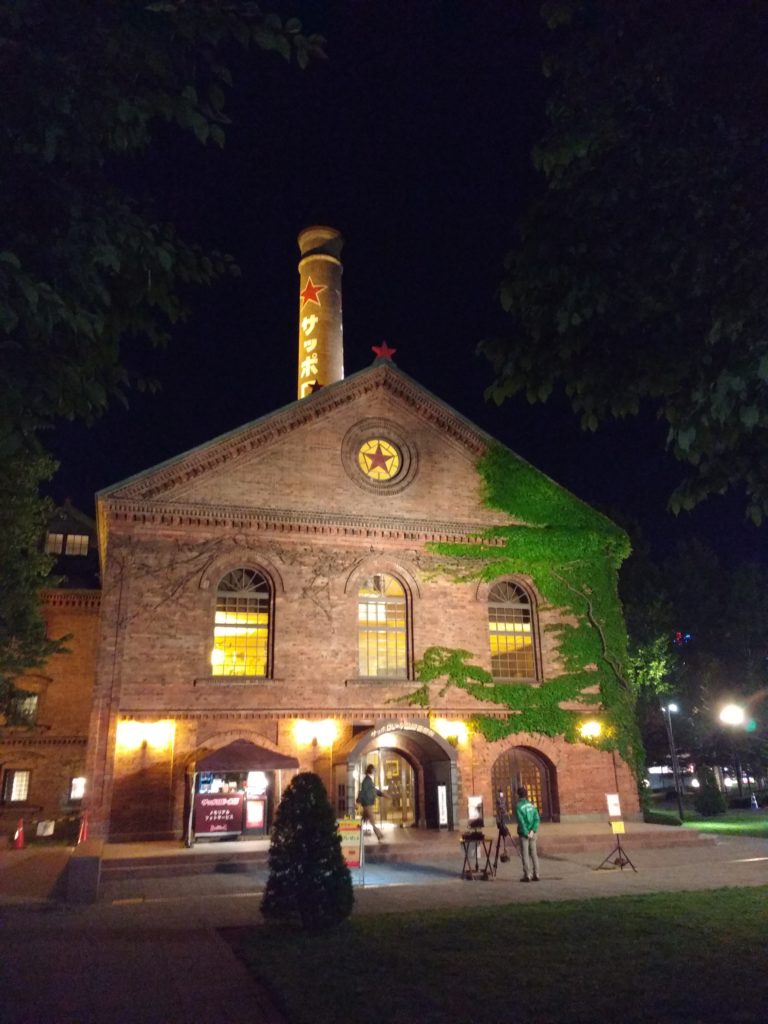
{"x": 402, "y": 849}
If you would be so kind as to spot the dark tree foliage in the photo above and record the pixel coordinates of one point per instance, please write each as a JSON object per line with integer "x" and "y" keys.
{"x": 308, "y": 877}
{"x": 23, "y": 570}
{"x": 88, "y": 275}
{"x": 698, "y": 630}
{"x": 639, "y": 279}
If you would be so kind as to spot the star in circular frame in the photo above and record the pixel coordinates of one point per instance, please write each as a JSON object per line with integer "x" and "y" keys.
{"x": 379, "y": 459}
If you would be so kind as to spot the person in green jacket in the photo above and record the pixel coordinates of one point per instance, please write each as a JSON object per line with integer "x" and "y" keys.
{"x": 367, "y": 798}
{"x": 528, "y": 821}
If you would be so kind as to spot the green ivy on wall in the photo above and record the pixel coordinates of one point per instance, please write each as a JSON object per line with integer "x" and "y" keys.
{"x": 572, "y": 554}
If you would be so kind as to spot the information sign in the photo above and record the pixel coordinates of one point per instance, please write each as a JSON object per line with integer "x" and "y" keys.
{"x": 351, "y": 832}
{"x": 614, "y": 807}
{"x": 218, "y": 815}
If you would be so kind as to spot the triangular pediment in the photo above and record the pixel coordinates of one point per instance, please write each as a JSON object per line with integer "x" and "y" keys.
{"x": 293, "y": 457}
{"x": 301, "y": 462}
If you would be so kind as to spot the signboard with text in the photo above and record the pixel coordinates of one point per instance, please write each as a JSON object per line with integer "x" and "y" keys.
{"x": 614, "y": 807}
{"x": 351, "y": 832}
{"x": 218, "y": 815}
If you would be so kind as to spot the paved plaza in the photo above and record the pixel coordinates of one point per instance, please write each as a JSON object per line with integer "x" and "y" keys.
{"x": 149, "y": 951}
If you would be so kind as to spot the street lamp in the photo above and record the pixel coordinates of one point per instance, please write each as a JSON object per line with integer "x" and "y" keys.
{"x": 668, "y": 711}
{"x": 734, "y": 715}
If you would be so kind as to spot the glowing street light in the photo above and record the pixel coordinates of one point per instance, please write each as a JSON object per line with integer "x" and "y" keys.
{"x": 735, "y": 716}
{"x": 668, "y": 710}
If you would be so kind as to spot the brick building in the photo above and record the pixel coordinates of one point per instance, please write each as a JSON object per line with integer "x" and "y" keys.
{"x": 276, "y": 585}
{"x": 265, "y": 599}
{"x": 44, "y": 730}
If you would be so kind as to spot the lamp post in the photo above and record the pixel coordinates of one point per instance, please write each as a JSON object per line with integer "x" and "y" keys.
{"x": 734, "y": 715}
{"x": 667, "y": 711}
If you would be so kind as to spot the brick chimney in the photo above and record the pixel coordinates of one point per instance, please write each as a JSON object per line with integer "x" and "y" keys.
{"x": 321, "y": 347}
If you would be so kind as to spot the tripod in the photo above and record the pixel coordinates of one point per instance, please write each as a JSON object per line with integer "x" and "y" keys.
{"x": 501, "y": 841}
{"x": 621, "y": 856}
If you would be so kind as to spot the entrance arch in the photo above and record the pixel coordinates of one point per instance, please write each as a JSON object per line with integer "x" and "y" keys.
{"x": 524, "y": 766}
{"x": 417, "y": 762}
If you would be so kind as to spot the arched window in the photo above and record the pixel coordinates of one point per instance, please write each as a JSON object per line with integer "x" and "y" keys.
{"x": 382, "y": 630}
{"x": 241, "y": 626}
{"x": 510, "y": 628}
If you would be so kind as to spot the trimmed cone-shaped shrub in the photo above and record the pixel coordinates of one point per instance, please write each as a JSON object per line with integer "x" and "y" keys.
{"x": 308, "y": 877}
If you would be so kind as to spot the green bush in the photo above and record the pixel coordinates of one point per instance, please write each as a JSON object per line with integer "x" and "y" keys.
{"x": 709, "y": 800}
{"x": 308, "y": 877}
{"x": 654, "y": 817}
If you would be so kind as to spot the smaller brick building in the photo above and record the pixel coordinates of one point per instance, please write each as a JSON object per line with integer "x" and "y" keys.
{"x": 44, "y": 735}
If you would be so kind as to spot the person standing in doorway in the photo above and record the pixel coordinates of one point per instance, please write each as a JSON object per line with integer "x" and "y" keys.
{"x": 367, "y": 798}
{"x": 528, "y": 821}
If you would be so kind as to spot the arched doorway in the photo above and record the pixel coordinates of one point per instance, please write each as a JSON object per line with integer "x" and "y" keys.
{"x": 415, "y": 769}
{"x": 521, "y": 766}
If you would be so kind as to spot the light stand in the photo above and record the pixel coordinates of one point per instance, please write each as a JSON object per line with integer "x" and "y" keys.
{"x": 667, "y": 711}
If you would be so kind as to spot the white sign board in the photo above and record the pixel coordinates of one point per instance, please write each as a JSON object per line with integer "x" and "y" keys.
{"x": 614, "y": 807}
{"x": 442, "y": 806}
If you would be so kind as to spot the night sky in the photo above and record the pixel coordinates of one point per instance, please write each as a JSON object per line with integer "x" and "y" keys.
{"x": 414, "y": 140}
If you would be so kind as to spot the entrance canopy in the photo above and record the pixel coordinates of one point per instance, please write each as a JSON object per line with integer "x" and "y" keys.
{"x": 244, "y": 756}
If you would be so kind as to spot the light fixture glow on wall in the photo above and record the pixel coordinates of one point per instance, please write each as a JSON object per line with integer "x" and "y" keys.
{"x": 325, "y": 731}
{"x": 449, "y": 730}
{"x": 132, "y": 735}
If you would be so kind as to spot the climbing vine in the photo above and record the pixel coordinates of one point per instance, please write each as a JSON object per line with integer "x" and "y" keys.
{"x": 572, "y": 554}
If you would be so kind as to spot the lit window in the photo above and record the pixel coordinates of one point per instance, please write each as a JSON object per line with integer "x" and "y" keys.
{"x": 22, "y": 708}
{"x": 510, "y": 628}
{"x": 77, "y": 544}
{"x": 76, "y": 790}
{"x": 16, "y": 786}
{"x": 382, "y": 637}
{"x": 54, "y": 543}
{"x": 241, "y": 628}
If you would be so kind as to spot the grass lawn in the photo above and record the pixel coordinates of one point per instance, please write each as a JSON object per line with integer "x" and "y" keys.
{"x": 688, "y": 958}
{"x": 740, "y": 823}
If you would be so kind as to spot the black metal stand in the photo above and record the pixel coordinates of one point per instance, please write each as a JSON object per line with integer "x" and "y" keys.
{"x": 621, "y": 857}
{"x": 501, "y": 838}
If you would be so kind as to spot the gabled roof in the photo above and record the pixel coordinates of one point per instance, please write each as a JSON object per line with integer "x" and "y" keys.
{"x": 382, "y": 374}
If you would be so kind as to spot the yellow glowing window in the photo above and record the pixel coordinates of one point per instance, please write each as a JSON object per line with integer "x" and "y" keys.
{"x": 379, "y": 459}
{"x": 241, "y": 627}
{"x": 510, "y": 630}
{"x": 382, "y": 633}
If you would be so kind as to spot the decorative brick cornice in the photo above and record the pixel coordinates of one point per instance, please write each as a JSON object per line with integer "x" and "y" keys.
{"x": 361, "y": 714}
{"x": 254, "y": 436}
{"x": 73, "y": 600}
{"x": 288, "y": 521}
{"x": 42, "y": 741}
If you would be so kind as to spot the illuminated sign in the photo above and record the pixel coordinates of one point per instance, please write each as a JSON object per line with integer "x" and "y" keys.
{"x": 218, "y": 815}
{"x": 308, "y": 326}
{"x": 351, "y": 832}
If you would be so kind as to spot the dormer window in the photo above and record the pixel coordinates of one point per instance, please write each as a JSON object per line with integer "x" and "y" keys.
{"x": 54, "y": 543}
{"x": 77, "y": 544}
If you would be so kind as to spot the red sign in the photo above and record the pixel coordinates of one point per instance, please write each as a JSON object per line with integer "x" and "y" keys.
{"x": 217, "y": 815}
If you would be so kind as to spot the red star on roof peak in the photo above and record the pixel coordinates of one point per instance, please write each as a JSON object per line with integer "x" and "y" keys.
{"x": 311, "y": 292}
{"x": 383, "y": 351}
{"x": 315, "y": 386}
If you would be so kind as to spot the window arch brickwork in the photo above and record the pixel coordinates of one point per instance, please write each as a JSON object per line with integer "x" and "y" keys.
{"x": 383, "y": 642}
{"x": 511, "y": 631}
{"x": 242, "y": 630}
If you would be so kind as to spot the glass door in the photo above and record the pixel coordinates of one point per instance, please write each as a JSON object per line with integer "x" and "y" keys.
{"x": 398, "y": 785}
